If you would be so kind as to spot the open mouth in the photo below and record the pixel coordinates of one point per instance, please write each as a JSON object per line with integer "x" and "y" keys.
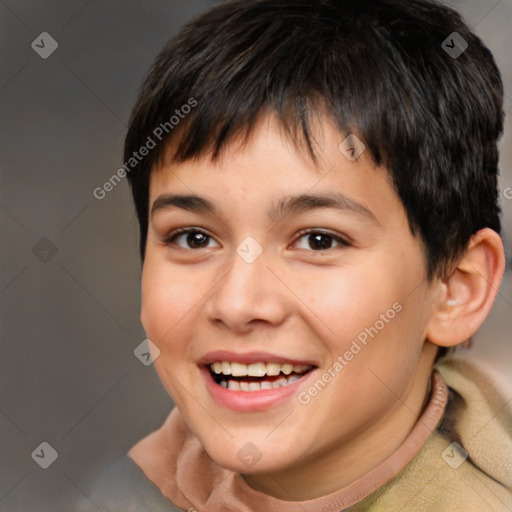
{"x": 256, "y": 376}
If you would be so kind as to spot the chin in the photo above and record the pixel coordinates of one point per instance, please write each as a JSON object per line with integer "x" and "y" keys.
{"x": 249, "y": 460}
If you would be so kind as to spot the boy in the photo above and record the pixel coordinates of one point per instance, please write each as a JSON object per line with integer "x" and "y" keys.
{"x": 316, "y": 186}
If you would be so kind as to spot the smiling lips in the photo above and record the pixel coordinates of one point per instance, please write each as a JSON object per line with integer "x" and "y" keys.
{"x": 257, "y": 376}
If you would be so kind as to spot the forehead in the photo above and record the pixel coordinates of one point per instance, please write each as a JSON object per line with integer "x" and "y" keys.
{"x": 269, "y": 171}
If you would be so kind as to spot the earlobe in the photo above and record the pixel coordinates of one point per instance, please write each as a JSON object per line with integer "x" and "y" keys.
{"x": 469, "y": 291}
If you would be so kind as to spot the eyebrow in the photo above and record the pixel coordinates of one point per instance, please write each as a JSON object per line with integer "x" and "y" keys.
{"x": 293, "y": 204}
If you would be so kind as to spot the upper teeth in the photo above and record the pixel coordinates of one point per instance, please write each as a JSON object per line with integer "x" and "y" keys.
{"x": 256, "y": 369}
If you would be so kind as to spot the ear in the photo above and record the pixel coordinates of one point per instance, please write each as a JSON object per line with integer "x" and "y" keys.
{"x": 468, "y": 293}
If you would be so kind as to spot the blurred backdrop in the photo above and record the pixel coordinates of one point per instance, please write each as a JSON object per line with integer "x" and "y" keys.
{"x": 70, "y": 270}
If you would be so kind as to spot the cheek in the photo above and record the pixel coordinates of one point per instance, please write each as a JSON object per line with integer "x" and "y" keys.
{"x": 345, "y": 301}
{"x": 167, "y": 315}
{"x": 371, "y": 319}
{"x": 168, "y": 295}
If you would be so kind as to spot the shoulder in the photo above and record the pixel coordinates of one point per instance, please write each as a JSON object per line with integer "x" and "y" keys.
{"x": 466, "y": 464}
{"x": 479, "y": 418}
{"x": 446, "y": 478}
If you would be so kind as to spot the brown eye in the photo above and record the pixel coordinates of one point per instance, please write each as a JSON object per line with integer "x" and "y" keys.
{"x": 194, "y": 239}
{"x": 321, "y": 241}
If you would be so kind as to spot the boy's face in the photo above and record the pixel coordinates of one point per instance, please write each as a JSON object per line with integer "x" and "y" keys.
{"x": 306, "y": 299}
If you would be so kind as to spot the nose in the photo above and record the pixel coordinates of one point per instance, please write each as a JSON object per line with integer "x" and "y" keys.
{"x": 249, "y": 294}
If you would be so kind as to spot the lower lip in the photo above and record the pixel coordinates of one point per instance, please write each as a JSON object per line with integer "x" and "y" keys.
{"x": 247, "y": 401}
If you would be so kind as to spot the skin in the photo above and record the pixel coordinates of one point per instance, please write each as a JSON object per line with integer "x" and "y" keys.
{"x": 300, "y": 301}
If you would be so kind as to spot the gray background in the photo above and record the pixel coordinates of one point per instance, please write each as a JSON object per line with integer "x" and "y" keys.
{"x": 70, "y": 324}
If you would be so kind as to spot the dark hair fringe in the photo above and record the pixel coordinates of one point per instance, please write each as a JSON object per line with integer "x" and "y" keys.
{"x": 376, "y": 68}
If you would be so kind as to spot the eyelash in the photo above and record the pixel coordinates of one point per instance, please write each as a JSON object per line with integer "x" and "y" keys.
{"x": 170, "y": 239}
